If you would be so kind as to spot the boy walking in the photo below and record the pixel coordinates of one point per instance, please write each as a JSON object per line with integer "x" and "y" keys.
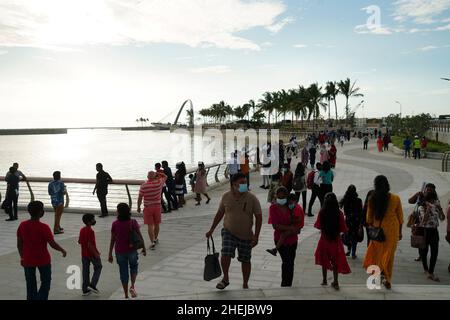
{"x": 89, "y": 254}
{"x": 32, "y": 239}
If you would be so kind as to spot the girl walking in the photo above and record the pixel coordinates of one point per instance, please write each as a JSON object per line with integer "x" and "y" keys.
{"x": 330, "y": 252}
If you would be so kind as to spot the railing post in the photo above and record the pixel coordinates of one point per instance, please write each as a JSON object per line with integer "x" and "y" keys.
{"x": 207, "y": 172}
{"x": 215, "y": 176}
{"x": 30, "y": 190}
{"x": 130, "y": 201}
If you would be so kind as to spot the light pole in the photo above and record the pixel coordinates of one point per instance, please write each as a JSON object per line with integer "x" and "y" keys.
{"x": 400, "y": 108}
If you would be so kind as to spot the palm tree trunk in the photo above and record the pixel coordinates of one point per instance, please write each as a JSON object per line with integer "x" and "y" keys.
{"x": 335, "y": 108}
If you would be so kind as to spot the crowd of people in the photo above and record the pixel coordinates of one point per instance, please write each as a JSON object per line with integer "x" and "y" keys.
{"x": 344, "y": 223}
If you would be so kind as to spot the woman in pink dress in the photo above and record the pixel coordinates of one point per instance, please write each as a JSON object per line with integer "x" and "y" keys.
{"x": 200, "y": 184}
{"x": 330, "y": 253}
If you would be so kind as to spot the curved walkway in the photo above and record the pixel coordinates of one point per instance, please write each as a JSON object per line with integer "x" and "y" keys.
{"x": 175, "y": 269}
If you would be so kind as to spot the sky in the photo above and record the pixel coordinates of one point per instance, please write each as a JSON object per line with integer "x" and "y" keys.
{"x": 77, "y": 63}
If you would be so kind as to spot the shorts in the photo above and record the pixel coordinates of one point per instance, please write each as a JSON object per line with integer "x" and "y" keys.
{"x": 230, "y": 243}
{"x": 152, "y": 215}
{"x": 128, "y": 264}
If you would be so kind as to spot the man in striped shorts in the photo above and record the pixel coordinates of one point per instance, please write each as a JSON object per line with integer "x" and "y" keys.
{"x": 150, "y": 191}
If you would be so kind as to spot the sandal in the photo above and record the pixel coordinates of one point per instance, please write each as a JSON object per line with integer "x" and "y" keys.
{"x": 433, "y": 277}
{"x": 222, "y": 285}
{"x": 335, "y": 285}
{"x": 272, "y": 252}
{"x": 58, "y": 232}
{"x": 387, "y": 284}
{"x": 133, "y": 292}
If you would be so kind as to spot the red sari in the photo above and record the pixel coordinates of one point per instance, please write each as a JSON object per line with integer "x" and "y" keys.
{"x": 380, "y": 144}
{"x": 331, "y": 253}
{"x": 332, "y": 156}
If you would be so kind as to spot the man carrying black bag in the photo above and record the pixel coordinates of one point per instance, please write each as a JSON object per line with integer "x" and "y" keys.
{"x": 239, "y": 208}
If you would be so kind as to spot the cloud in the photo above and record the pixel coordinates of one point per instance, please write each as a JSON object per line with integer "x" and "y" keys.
{"x": 267, "y": 44}
{"x": 212, "y": 69}
{"x": 428, "y": 48}
{"x": 443, "y": 28}
{"x": 300, "y": 46}
{"x": 317, "y": 45}
{"x": 2, "y": 52}
{"x": 195, "y": 23}
{"x": 419, "y": 11}
{"x": 277, "y": 27}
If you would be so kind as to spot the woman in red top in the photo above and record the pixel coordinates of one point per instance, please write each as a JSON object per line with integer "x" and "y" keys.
{"x": 380, "y": 144}
{"x": 286, "y": 218}
{"x": 332, "y": 155}
{"x": 330, "y": 252}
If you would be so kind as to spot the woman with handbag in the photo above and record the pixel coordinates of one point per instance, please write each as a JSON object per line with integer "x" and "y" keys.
{"x": 430, "y": 212}
{"x": 126, "y": 238}
{"x": 353, "y": 208}
{"x": 384, "y": 220}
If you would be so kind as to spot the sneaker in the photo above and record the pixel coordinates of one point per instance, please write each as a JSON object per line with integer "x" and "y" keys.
{"x": 156, "y": 241}
{"x": 87, "y": 292}
{"x": 93, "y": 289}
{"x": 272, "y": 252}
{"x": 153, "y": 245}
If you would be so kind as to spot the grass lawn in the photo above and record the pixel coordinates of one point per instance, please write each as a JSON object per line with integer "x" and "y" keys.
{"x": 433, "y": 146}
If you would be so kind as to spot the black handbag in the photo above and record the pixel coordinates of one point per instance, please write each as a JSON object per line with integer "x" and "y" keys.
{"x": 418, "y": 239}
{"x": 376, "y": 233}
{"x": 212, "y": 266}
{"x": 136, "y": 241}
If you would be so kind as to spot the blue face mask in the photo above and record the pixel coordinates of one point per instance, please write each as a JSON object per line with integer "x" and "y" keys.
{"x": 281, "y": 202}
{"x": 292, "y": 206}
{"x": 243, "y": 188}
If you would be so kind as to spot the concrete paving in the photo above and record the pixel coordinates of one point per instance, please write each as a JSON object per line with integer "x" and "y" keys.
{"x": 175, "y": 269}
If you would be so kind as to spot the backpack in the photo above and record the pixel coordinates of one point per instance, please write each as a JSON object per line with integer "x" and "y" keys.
{"x": 299, "y": 183}
{"x": 310, "y": 180}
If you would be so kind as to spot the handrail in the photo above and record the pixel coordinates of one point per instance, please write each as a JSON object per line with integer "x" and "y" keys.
{"x": 445, "y": 159}
{"x": 82, "y": 192}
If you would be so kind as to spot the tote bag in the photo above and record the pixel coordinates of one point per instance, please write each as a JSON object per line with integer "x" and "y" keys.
{"x": 212, "y": 266}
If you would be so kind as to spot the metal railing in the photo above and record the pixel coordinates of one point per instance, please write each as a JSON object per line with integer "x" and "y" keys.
{"x": 445, "y": 160}
{"x": 440, "y": 125}
{"x": 81, "y": 194}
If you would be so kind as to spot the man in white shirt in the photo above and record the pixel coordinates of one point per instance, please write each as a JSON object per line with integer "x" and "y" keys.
{"x": 315, "y": 191}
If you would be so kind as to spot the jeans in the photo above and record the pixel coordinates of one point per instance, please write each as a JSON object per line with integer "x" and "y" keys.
{"x": 127, "y": 261}
{"x": 416, "y": 153}
{"x": 97, "y": 263}
{"x": 324, "y": 189}
{"x": 102, "y": 198}
{"x": 314, "y": 195}
{"x": 172, "y": 202}
{"x": 303, "y": 198}
{"x": 365, "y": 145}
{"x": 407, "y": 153}
{"x": 12, "y": 198}
{"x": 45, "y": 273}
{"x": 352, "y": 248}
{"x": 287, "y": 254}
{"x": 432, "y": 241}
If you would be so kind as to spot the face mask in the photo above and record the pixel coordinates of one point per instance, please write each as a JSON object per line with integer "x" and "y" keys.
{"x": 281, "y": 202}
{"x": 243, "y": 188}
{"x": 292, "y": 206}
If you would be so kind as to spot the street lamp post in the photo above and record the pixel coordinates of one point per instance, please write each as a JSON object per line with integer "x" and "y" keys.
{"x": 400, "y": 108}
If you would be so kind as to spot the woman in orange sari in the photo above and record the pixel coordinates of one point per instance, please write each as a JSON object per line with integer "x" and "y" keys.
{"x": 385, "y": 211}
{"x": 380, "y": 144}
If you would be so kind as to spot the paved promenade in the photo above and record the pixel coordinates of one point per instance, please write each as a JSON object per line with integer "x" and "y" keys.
{"x": 175, "y": 269}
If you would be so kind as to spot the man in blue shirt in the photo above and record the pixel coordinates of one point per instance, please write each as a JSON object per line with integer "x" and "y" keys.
{"x": 57, "y": 190}
{"x": 407, "y": 146}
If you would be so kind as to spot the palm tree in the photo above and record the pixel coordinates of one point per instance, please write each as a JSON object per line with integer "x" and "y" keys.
{"x": 331, "y": 92}
{"x": 240, "y": 112}
{"x": 315, "y": 101}
{"x": 267, "y": 104}
{"x": 349, "y": 91}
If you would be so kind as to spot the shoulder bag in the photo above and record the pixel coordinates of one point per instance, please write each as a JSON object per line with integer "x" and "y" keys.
{"x": 376, "y": 233}
{"x": 136, "y": 241}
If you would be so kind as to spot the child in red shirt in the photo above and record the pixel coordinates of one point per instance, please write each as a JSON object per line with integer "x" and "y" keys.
{"x": 33, "y": 237}
{"x": 89, "y": 254}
